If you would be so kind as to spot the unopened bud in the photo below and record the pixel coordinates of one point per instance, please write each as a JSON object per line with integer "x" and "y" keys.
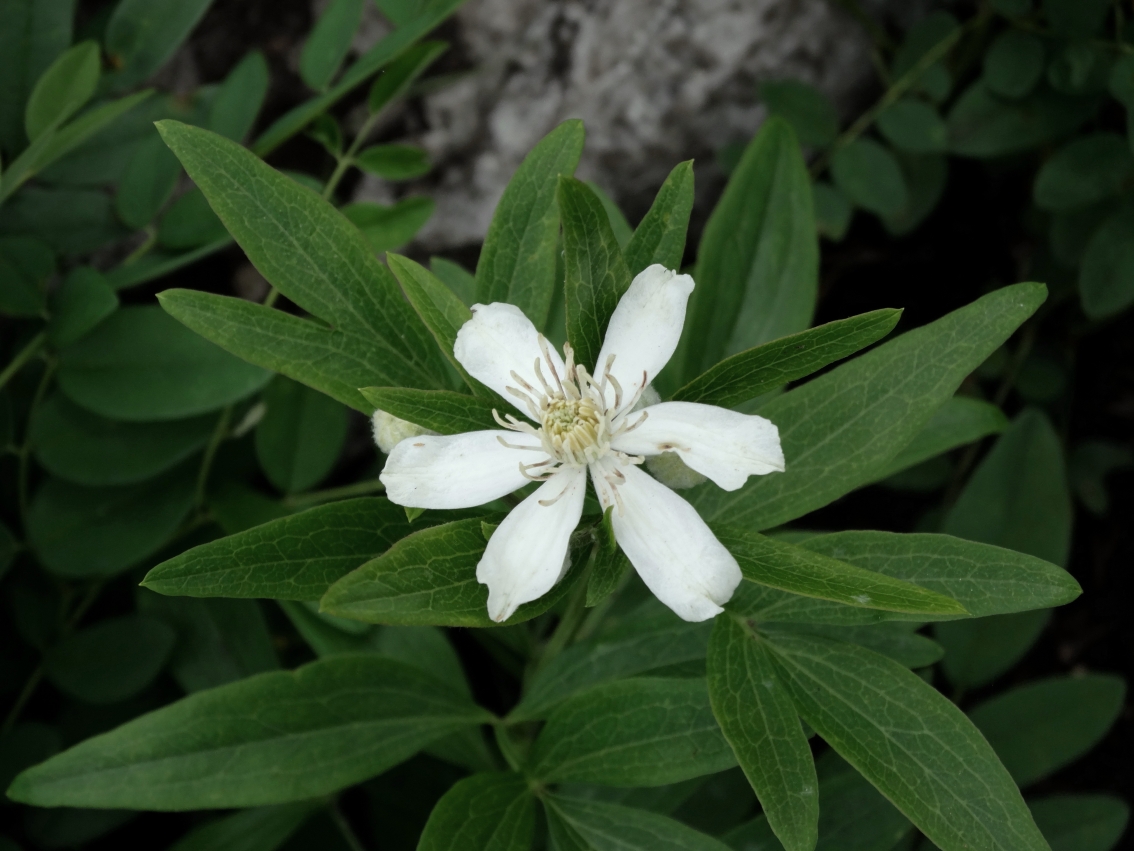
{"x": 389, "y": 431}
{"x": 671, "y": 471}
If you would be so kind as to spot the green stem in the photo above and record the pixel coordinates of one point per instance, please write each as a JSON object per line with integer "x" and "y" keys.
{"x": 347, "y": 159}
{"x": 344, "y": 827}
{"x": 25, "y": 354}
{"x": 569, "y": 624}
{"x": 215, "y": 441}
{"x": 25, "y": 452}
{"x": 143, "y": 249}
{"x": 304, "y": 500}
{"x": 902, "y": 85}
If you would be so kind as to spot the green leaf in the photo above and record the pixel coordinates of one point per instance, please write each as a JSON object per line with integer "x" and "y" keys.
{"x": 1121, "y": 84}
{"x": 190, "y": 222}
{"x": 1106, "y": 279}
{"x": 63, "y": 90}
{"x": 25, "y": 265}
{"x": 142, "y": 34}
{"x": 456, "y": 278}
{"x": 833, "y": 211}
{"x": 576, "y": 824}
{"x": 311, "y": 254}
{"x": 271, "y": 738}
{"x": 429, "y": 579}
{"x": 139, "y": 364}
{"x": 614, "y": 216}
{"x": 82, "y": 301}
{"x": 1090, "y": 465}
{"x": 111, "y": 661}
{"x": 958, "y": 422}
{"x": 259, "y": 829}
{"x": 87, "y": 449}
{"x": 810, "y": 112}
{"x": 1083, "y": 172}
{"x": 388, "y": 227}
{"x": 758, "y": 261}
{"x": 394, "y": 162}
{"x": 148, "y": 183}
{"x": 986, "y": 580}
{"x": 896, "y": 641}
{"x": 442, "y": 411}
{"x": 639, "y": 732}
{"x": 608, "y": 569}
{"x": 871, "y": 177}
{"x": 910, "y": 124}
{"x": 922, "y": 37}
{"x": 239, "y": 98}
{"x": 301, "y": 435}
{"x": 751, "y": 373}
{"x": 907, "y": 739}
{"x": 79, "y": 531}
{"x": 978, "y": 651}
{"x": 322, "y": 545}
{"x": 485, "y": 812}
{"x": 1076, "y": 18}
{"x": 982, "y": 125}
{"x": 218, "y": 641}
{"x": 1018, "y": 497}
{"x": 658, "y": 642}
{"x": 327, "y": 45}
{"x": 326, "y": 359}
{"x": 1013, "y": 64}
{"x": 1081, "y": 822}
{"x": 596, "y": 274}
{"x": 517, "y": 262}
{"x": 1040, "y": 727}
{"x": 35, "y": 32}
{"x": 767, "y": 561}
{"x": 72, "y": 221}
{"x": 439, "y": 308}
{"x": 759, "y": 720}
{"x": 926, "y": 176}
{"x": 660, "y": 236}
{"x": 403, "y": 71}
{"x": 840, "y": 430}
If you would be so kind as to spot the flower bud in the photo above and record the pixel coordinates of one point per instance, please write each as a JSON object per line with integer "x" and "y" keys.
{"x": 389, "y": 431}
{"x": 671, "y": 471}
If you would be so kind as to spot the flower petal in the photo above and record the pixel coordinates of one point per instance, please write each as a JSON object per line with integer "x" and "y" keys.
{"x": 458, "y": 470}
{"x": 644, "y": 329}
{"x": 525, "y": 556}
{"x": 723, "y": 445}
{"x": 670, "y": 546}
{"x": 498, "y": 340}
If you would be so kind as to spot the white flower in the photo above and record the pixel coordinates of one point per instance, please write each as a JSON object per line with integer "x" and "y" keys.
{"x": 582, "y": 422}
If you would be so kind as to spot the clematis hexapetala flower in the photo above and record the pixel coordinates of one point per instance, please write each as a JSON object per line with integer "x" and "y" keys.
{"x": 584, "y": 421}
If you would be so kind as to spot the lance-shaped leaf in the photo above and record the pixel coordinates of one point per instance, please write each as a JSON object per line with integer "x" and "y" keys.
{"x": 660, "y": 236}
{"x": 760, "y": 722}
{"x": 959, "y": 421}
{"x": 259, "y": 829}
{"x": 517, "y": 262}
{"x": 1081, "y": 822}
{"x": 766, "y": 561}
{"x": 429, "y": 579}
{"x": 596, "y": 274}
{"x": 442, "y": 411}
{"x": 986, "y": 580}
{"x": 439, "y": 308}
{"x": 758, "y": 370}
{"x": 485, "y": 812}
{"x": 639, "y": 732}
{"x": 841, "y": 429}
{"x": 293, "y": 558}
{"x": 909, "y": 740}
{"x": 271, "y": 738}
{"x": 311, "y": 253}
{"x": 758, "y": 261}
{"x": 576, "y": 824}
{"x": 1040, "y": 727}
{"x": 895, "y": 640}
{"x": 662, "y": 641}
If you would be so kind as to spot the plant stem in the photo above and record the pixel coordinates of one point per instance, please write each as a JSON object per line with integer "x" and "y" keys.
{"x": 304, "y": 500}
{"x": 210, "y": 454}
{"x": 26, "y": 448}
{"x": 25, "y": 354}
{"x": 344, "y": 827}
{"x": 347, "y": 159}
{"x": 569, "y": 624}
{"x": 143, "y": 249}
{"x": 892, "y": 94}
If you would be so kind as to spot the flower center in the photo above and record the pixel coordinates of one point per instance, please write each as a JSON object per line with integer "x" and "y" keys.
{"x": 575, "y": 429}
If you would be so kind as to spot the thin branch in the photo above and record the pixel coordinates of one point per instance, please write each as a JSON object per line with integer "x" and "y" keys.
{"x": 25, "y": 354}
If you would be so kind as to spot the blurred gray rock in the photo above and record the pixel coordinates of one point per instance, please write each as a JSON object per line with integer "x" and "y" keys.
{"x": 655, "y": 81}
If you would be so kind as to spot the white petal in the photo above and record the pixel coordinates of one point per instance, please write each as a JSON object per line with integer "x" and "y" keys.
{"x": 525, "y": 556}
{"x": 670, "y": 546}
{"x": 498, "y": 340}
{"x": 457, "y": 470}
{"x": 723, "y": 445}
{"x": 644, "y": 329}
